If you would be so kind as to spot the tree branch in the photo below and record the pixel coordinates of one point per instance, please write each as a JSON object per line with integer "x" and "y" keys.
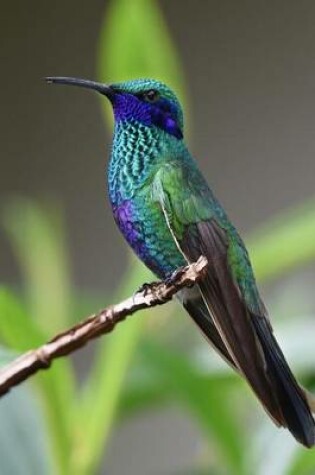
{"x": 150, "y": 295}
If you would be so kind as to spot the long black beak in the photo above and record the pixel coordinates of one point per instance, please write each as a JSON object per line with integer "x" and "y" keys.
{"x": 96, "y": 86}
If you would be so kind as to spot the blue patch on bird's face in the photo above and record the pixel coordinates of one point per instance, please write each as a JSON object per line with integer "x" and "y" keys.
{"x": 162, "y": 113}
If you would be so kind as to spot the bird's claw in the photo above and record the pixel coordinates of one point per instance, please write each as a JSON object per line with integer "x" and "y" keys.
{"x": 145, "y": 288}
{"x": 173, "y": 277}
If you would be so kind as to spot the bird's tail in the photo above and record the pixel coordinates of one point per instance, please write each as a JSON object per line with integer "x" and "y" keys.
{"x": 286, "y": 402}
{"x": 296, "y": 403}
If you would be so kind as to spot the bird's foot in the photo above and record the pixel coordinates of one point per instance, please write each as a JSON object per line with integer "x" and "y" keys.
{"x": 145, "y": 288}
{"x": 169, "y": 280}
{"x": 174, "y": 276}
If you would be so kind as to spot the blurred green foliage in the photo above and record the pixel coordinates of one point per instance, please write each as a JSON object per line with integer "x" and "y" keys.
{"x": 69, "y": 422}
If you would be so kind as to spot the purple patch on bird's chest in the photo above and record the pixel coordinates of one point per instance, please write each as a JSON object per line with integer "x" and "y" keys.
{"x": 125, "y": 218}
{"x": 131, "y": 227}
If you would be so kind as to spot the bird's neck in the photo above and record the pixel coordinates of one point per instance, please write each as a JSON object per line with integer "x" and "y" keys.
{"x": 137, "y": 152}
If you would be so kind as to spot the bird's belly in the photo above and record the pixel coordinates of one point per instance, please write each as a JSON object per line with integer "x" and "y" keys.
{"x": 143, "y": 225}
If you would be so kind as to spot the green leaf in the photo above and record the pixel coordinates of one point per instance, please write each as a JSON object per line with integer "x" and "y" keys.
{"x": 17, "y": 330}
{"x": 96, "y": 410}
{"x": 304, "y": 463}
{"x": 24, "y": 448}
{"x": 206, "y": 398}
{"x": 135, "y": 42}
{"x": 285, "y": 242}
{"x": 38, "y": 241}
{"x": 296, "y": 338}
{"x": 140, "y": 395}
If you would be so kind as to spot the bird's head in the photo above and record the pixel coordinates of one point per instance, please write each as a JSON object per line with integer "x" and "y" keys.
{"x": 147, "y": 101}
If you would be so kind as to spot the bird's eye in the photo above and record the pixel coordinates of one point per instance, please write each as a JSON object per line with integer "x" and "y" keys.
{"x": 151, "y": 95}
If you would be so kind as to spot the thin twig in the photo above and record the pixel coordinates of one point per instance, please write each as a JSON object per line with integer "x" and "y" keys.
{"x": 102, "y": 322}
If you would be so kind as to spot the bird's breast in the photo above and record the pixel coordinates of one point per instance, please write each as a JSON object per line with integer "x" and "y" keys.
{"x": 142, "y": 223}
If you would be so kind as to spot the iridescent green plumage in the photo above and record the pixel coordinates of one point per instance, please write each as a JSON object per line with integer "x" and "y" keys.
{"x": 169, "y": 216}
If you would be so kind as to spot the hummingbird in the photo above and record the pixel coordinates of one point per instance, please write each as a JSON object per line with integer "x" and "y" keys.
{"x": 168, "y": 214}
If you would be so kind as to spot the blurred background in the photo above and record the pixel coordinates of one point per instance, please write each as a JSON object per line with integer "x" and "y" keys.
{"x": 152, "y": 398}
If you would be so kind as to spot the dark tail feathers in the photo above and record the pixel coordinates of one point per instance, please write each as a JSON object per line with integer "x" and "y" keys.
{"x": 292, "y": 399}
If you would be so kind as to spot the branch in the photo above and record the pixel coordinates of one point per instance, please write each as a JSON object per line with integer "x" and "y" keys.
{"x": 150, "y": 295}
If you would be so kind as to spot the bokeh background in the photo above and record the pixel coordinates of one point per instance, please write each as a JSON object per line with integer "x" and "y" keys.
{"x": 164, "y": 404}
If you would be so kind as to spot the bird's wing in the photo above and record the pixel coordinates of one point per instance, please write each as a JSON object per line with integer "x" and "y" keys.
{"x": 200, "y": 227}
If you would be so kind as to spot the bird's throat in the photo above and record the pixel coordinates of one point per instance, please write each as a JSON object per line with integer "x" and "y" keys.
{"x": 136, "y": 153}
